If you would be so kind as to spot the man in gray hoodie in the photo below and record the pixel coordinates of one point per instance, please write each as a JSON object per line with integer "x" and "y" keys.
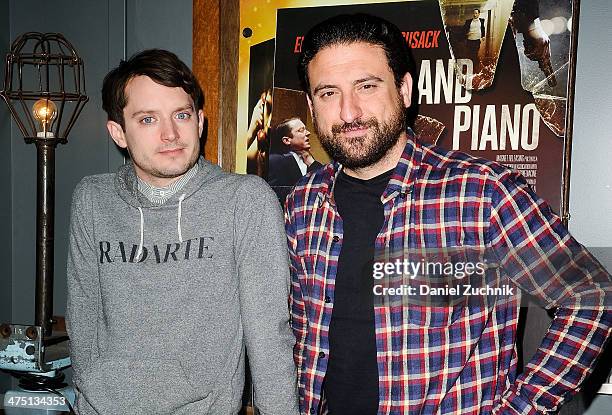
{"x": 176, "y": 269}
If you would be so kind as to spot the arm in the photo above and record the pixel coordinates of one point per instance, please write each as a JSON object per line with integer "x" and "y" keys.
{"x": 256, "y": 123}
{"x": 314, "y": 166}
{"x": 526, "y": 20}
{"x": 310, "y": 161}
{"x": 529, "y": 8}
{"x": 299, "y": 321}
{"x": 539, "y": 255}
{"x": 466, "y": 28}
{"x": 258, "y": 142}
{"x": 82, "y": 275}
{"x": 261, "y": 257}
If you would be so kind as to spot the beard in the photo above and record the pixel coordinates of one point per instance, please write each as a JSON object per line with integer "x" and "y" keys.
{"x": 366, "y": 150}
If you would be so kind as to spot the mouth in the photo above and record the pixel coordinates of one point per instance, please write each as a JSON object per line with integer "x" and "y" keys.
{"x": 357, "y": 131}
{"x": 171, "y": 151}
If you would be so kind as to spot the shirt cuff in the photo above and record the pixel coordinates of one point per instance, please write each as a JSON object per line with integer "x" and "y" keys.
{"x": 512, "y": 403}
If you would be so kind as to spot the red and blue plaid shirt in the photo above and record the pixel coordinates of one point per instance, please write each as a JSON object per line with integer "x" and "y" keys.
{"x": 452, "y": 360}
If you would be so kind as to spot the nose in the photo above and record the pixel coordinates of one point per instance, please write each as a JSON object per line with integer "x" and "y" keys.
{"x": 307, "y": 133}
{"x": 349, "y": 107}
{"x": 169, "y": 131}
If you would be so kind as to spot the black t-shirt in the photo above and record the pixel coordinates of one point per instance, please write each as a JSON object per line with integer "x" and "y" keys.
{"x": 351, "y": 380}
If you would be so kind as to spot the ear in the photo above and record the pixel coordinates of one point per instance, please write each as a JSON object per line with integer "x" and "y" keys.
{"x": 200, "y": 122}
{"x": 117, "y": 133}
{"x": 309, "y": 103}
{"x": 406, "y": 90}
{"x": 286, "y": 140}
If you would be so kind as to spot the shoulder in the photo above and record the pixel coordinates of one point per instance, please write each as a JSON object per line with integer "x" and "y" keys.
{"x": 253, "y": 190}
{"x": 281, "y": 158}
{"x": 436, "y": 157}
{"x": 440, "y": 164}
{"x": 250, "y": 182}
{"x": 308, "y": 188}
{"x": 278, "y": 156}
{"x": 496, "y": 180}
{"x": 90, "y": 192}
{"x": 91, "y": 186}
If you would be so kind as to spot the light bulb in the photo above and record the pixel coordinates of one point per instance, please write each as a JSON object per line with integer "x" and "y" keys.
{"x": 45, "y": 111}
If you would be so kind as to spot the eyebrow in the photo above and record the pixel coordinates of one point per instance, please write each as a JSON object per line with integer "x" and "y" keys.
{"x": 355, "y": 82}
{"x": 142, "y": 112}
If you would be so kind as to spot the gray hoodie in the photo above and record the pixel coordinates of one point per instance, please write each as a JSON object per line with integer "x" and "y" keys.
{"x": 162, "y": 300}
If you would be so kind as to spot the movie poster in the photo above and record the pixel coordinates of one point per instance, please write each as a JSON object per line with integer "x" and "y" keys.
{"x": 492, "y": 81}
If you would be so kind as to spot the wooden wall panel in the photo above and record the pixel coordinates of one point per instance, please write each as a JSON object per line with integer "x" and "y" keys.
{"x": 207, "y": 68}
{"x": 230, "y": 36}
{"x": 216, "y": 26}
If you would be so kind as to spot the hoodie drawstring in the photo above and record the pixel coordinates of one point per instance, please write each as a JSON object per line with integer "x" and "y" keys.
{"x": 139, "y": 253}
{"x": 178, "y": 225}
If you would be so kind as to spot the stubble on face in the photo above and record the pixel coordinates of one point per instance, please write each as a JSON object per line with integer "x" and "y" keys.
{"x": 166, "y": 147}
{"x": 366, "y": 150}
{"x": 172, "y": 171}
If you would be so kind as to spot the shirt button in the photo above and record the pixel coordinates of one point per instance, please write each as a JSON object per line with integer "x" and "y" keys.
{"x": 327, "y": 299}
{"x": 321, "y": 355}
{"x": 336, "y": 238}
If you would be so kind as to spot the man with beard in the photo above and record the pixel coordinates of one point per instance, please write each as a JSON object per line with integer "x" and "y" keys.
{"x": 358, "y": 352}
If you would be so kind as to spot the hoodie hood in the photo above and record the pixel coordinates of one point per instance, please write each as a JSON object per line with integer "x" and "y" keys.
{"x": 126, "y": 184}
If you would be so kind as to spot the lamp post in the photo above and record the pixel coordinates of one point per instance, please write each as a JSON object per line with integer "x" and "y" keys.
{"x": 44, "y": 88}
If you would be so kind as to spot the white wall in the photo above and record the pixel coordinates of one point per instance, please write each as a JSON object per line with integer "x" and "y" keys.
{"x": 591, "y": 179}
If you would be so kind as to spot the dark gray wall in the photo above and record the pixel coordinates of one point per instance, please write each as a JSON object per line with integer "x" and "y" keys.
{"x": 160, "y": 24}
{"x": 87, "y": 151}
{"x": 6, "y": 234}
{"x": 102, "y": 32}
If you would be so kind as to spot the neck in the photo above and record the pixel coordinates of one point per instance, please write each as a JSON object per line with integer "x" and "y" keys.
{"x": 160, "y": 182}
{"x": 388, "y": 162}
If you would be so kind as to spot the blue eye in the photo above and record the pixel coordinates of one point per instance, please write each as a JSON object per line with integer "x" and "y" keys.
{"x": 147, "y": 120}
{"x": 183, "y": 116}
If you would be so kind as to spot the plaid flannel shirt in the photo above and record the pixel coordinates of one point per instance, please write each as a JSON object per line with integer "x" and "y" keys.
{"x": 452, "y": 360}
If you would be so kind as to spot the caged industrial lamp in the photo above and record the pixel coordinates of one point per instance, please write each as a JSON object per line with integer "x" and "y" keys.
{"x": 44, "y": 88}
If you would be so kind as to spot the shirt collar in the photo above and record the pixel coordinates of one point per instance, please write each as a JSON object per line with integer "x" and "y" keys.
{"x": 159, "y": 195}
{"x": 300, "y": 162}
